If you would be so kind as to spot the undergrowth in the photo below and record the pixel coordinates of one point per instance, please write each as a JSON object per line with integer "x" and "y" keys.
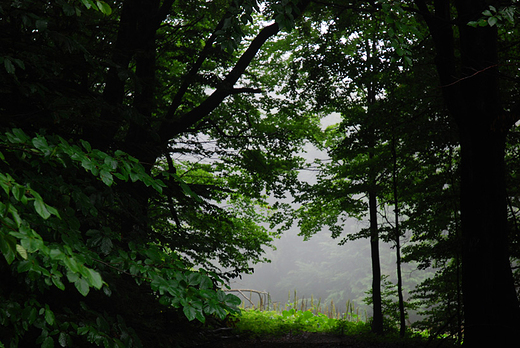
{"x": 258, "y": 323}
{"x": 299, "y": 315}
{"x": 255, "y": 323}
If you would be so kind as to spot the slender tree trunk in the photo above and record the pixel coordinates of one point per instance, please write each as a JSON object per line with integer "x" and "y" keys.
{"x": 402, "y": 313}
{"x": 377, "y": 320}
{"x": 457, "y": 251}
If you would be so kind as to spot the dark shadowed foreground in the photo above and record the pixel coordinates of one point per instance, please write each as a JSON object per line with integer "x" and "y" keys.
{"x": 308, "y": 340}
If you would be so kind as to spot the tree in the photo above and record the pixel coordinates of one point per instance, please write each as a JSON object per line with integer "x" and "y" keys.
{"x": 104, "y": 226}
{"x": 469, "y": 63}
{"x": 483, "y": 128}
{"x": 352, "y": 69}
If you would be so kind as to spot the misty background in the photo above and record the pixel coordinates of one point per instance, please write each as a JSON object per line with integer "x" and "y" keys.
{"x": 321, "y": 269}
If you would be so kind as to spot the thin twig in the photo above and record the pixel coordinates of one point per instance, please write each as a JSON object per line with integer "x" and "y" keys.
{"x": 470, "y": 76}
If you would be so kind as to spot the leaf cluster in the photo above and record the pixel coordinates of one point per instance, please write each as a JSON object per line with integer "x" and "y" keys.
{"x": 116, "y": 223}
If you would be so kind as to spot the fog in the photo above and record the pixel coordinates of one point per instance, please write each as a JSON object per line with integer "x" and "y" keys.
{"x": 321, "y": 269}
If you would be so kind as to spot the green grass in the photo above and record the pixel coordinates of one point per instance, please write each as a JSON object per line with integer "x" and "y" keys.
{"x": 254, "y": 323}
{"x": 258, "y": 323}
{"x": 299, "y": 315}
{"x": 331, "y": 310}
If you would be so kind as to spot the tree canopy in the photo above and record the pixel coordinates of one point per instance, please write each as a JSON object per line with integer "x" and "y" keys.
{"x": 134, "y": 166}
{"x": 140, "y": 140}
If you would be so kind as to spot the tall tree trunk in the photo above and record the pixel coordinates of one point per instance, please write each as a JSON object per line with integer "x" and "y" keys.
{"x": 490, "y": 303}
{"x": 402, "y": 313}
{"x": 491, "y": 309}
{"x": 457, "y": 256}
{"x": 483, "y": 125}
{"x": 377, "y": 319}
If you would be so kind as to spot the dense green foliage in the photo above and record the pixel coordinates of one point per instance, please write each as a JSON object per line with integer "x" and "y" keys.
{"x": 118, "y": 222}
{"x": 140, "y": 141}
{"x": 394, "y": 140}
{"x": 399, "y": 139}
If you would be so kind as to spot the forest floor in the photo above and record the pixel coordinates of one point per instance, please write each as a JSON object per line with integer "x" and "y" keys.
{"x": 312, "y": 340}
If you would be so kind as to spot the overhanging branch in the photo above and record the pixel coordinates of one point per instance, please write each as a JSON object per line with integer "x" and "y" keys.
{"x": 170, "y": 127}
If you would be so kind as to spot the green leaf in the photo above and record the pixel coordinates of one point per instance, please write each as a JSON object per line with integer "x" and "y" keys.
{"x": 83, "y": 330}
{"x": 15, "y": 215}
{"x": 8, "y": 248}
{"x": 86, "y": 145}
{"x": 120, "y": 176}
{"x": 102, "y": 324}
{"x": 53, "y": 211}
{"x": 72, "y": 277}
{"x": 165, "y": 286}
{"x": 20, "y": 135}
{"x": 21, "y": 251}
{"x": 133, "y": 176}
{"x": 508, "y": 13}
{"x": 492, "y": 21}
{"x": 24, "y": 266}
{"x": 194, "y": 279}
{"x": 232, "y": 300}
{"x": 94, "y": 278}
{"x": 41, "y": 144}
{"x": 63, "y": 338}
{"x": 194, "y": 311}
{"x": 32, "y": 315}
{"x": 111, "y": 162}
{"x": 82, "y": 286}
{"x": 104, "y": 7}
{"x": 71, "y": 264}
{"x": 9, "y": 66}
{"x": 32, "y": 244}
{"x": 41, "y": 208}
{"x": 56, "y": 254}
{"x": 49, "y": 316}
{"x": 190, "y": 312}
{"x": 106, "y": 177}
{"x": 200, "y": 316}
{"x": 48, "y": 342}
{"x": 57, "y": 282}
{"x": 89, "y": 165}
{"x": 106, "y": 245}
{"x": 88, "y": 3}
{"x": 220, "y": 312}
{"x": 69, "y": 10}
{"x": 18, "y": 192}
{"x": 185, "y": 188}
{"x": 206, "y": 282}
